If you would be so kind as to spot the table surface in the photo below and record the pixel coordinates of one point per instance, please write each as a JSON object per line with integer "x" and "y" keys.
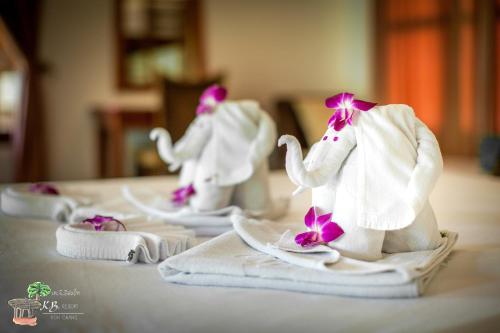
{"x": 116, "y": 297}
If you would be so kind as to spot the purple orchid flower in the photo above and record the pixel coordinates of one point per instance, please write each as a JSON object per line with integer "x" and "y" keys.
{"x": 210, "y": 98}
{"x": 321, "y": 229}
{"x": 181, "y": 196}
{"x": 43, "y": 188}
{"x": 105, "y": 223}
{"x": 345, "y": 105}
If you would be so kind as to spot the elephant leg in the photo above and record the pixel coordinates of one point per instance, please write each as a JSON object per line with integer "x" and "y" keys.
{"x": 209, "y": 196}
{"x": 188, "y": 172}
{"x": 254, "y": 193}
{"x": 423, "y": 234}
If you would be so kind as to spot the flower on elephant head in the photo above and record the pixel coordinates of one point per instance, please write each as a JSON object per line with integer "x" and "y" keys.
{"x": 43, "y": 188}
{"x": 209, "y": 99}
{"x": 181, "y": 195}
{"x": 105, "y": 223}
{"x": 344, "y": 105}
{"x": 321, "y": 229}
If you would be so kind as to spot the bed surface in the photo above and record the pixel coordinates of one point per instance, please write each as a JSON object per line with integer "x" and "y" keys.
{"x": 116, "y": 297}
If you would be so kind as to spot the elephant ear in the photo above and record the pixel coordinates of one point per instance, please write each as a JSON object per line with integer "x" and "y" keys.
{"x": 238, "y": 143}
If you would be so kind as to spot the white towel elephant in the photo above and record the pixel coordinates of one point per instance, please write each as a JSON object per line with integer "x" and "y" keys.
{"x": 223, "y": 154}
{"x": 376, "y": 177}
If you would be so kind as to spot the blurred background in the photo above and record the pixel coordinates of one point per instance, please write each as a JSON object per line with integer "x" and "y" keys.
{"x": 83, "y": 81}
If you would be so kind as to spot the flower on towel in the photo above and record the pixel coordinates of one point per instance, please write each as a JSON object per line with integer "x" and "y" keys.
{"x": 181, "y": 196}
{"x": 105, "y": 223}
{"x": 321, "y": 229}
{"x": 210, "y": 98}
{"x": 43, "y": 188}
{"x": 344, "y": 105}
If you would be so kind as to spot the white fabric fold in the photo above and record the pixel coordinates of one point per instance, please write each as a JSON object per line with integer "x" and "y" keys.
{"x": 252, "y": 261}
{"x": 204, "y": 223}
{"x": 19, "y": 201}
{"x": 146, "y": 240}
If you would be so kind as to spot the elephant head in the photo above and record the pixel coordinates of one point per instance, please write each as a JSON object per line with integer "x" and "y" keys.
{"x": 188, "y": 147}
{"x": 323, "y": 161}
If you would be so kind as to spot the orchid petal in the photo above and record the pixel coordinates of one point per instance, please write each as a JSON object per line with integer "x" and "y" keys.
{"x": 339, "y": 125}
{"x": 322, "y": 219}
{"x": 215, "y": 92}
{"x": 309, "y": 238}
{"x": 337, "y": 100}
{"x": 331, "y": 231}
{"x": 181, "y": 195}
{"x": 362, "y": 105}
{"x": 310, "y": 217}
{"x": 43, "y": 188}
{"x": 203, "y": 108}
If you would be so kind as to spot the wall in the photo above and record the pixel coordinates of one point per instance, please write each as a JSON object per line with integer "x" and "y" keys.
{"x": 78, "y": 46}
{"x": 265, "y": 47}
{"x": 272, "y": 47}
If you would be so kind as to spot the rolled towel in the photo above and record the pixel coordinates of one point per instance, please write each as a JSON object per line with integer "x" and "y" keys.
{"x": 144, "y": 240}
{"x": 20, "y": 201}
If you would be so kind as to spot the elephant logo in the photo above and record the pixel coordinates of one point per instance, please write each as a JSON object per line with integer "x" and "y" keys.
{"x": 25, "y": 308}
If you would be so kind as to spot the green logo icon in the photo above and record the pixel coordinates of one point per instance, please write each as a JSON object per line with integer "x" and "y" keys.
{"x": 25, "y": 308}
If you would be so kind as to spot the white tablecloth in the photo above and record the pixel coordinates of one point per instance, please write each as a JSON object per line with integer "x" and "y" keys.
{"x": 115, "y": 297}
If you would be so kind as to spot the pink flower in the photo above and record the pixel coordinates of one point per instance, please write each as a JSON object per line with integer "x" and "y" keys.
{"x": 43, "y": 188}
{"x": 105, "y": 223}
{"x": 320, "y": 228}
{"x": 344, "y": 105}
{"x": 181, "y": 196}
{"x": 212, "y": 96}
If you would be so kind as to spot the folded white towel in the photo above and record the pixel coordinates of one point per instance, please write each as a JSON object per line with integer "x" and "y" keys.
{"x": 375, "y": 178}
{"x": 252, "y": 261}
{"x": 19, "y": 201}
{"x": 145, "y": 240}
{"x": 223, "y": 155}
{"x": 204, "y": 223}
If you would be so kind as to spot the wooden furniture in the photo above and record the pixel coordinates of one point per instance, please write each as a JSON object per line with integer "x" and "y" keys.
{"x": 113, "y": 124}
{"x": 180, "y": 99}
{"x": 157, "y": 38}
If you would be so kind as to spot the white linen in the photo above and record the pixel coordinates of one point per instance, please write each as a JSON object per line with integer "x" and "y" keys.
{"x": 224, "y": 157}
{"x": 463, "y": 296}
{"x": 205, "y": 223}
{"x": 146, "y": 239}
{"x": 369, "y": 179}
{"x": 19, "y": 201}
{"x": 396, "y": 275}
{"x": 228, "y": 261}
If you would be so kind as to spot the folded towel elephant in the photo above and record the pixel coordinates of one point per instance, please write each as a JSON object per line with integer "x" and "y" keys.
{"x": 375, "y": 176}
{"x": 223, "y": 155}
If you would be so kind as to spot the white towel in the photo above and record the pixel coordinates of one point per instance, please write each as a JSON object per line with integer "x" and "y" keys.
{"x": 204, "y": 223}
{"x": 223, "y": 155}
{"x": 230, "y": 261}
{"x": 146, "y": 240}
{"x": 19, "y": 201}
{"x": 376, "y": 179}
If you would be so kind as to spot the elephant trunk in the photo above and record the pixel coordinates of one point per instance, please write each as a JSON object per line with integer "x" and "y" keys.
{"x": 165, "y": 148}
{"x": 296, "y": 169}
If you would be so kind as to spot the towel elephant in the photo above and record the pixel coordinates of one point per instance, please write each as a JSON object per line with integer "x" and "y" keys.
{"x": 375, "y": 176}
{"x": 223, "y": 155}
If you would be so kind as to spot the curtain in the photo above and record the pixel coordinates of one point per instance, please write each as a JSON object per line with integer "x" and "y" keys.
{"x": 436, "y": 57}
{"x": 21, "y": 18}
